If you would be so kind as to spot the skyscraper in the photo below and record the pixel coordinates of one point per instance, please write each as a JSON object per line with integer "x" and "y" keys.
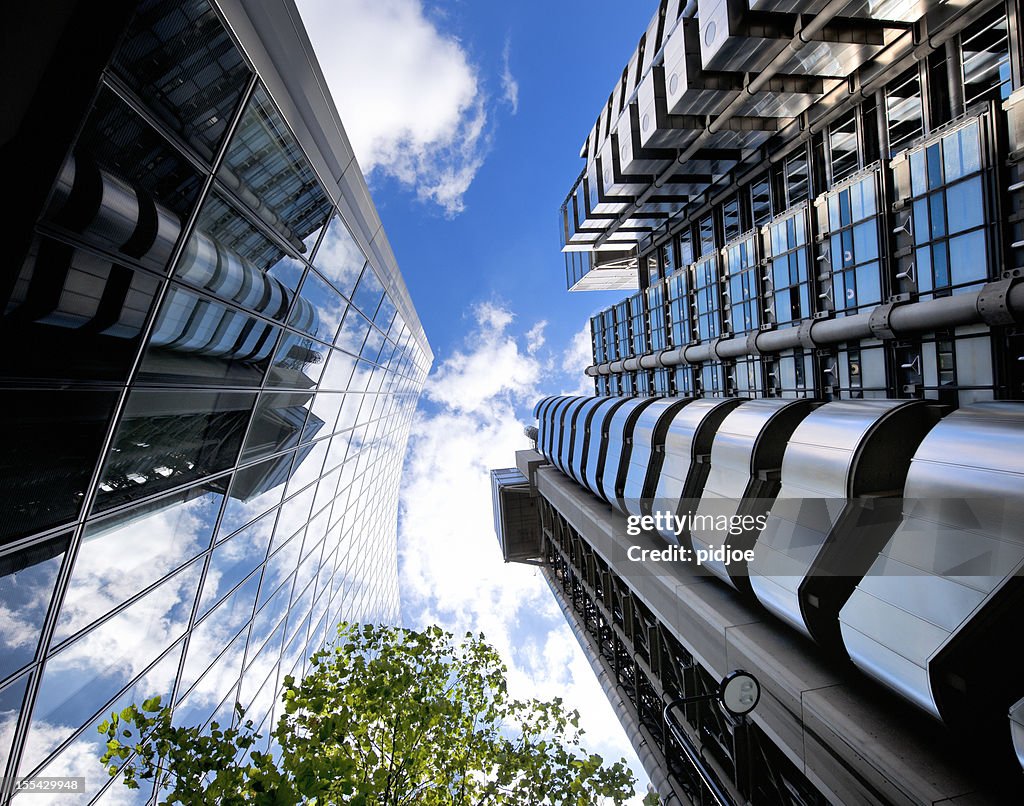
{"x": 802, "y": 459}
{"x": 210, "y": 365}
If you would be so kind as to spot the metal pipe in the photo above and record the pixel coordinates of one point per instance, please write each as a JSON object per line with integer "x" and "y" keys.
{"x": 901, "y": 319}
{"x": 694, "y": 756}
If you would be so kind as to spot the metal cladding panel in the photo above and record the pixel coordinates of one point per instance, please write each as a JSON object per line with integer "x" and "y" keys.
{"x": 540, "y": 405}
{"x": 567, "y": 434}
{"x": 949, "y": 560}
{"x": 617, "y": 182}
{"x": 632, "y": 157}
{"x": 648, "y": 437}
{"x": 578, "y": 448}
{"x": 822, "y": 453}
{"x": 1017, "y": 730}
{"x": 659, "y": 129}
{"x": 687, "y": 444}
{"x": 618, "y": 445}
{"x": 560, "y": 423}
{"x": 598, "y": 201}
{"x": 721, "y": 49}
{"x": 595, "y": 442}
{"x": 651, "y": 43}
{"x": 896, "y": 10}
{"x": 833, "y": 454}
{"x": 689, "y": 90}
{"x": 542, "y": 412}
{"x": 750, "y": 441}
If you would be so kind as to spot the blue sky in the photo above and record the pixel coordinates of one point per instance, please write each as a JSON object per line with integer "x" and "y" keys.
{"x": 467, "y": 119}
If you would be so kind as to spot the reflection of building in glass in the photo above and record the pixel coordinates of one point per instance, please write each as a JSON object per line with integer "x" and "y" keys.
{"x": 210, "y": 367}
{"x": 815, "y": 209}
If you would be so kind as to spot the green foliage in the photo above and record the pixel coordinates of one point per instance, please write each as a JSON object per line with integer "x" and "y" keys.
{"x": 385, "y": 717}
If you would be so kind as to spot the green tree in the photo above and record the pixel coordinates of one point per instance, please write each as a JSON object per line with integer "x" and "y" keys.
{"x": 385, "y": 717}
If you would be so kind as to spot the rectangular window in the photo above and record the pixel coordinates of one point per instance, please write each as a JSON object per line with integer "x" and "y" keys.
{"x": 761, "y": 202}
{"x": 947, "y": 196}
{"x": 789, "y": 278}
{"x": 844, "y": 158}
{"x": 854, "y": 251}
{"x": 708, "y": 296}
{"x": 744, "y": 301}
{"x": 797, "y": 178}
{"x": 986, "y": 58}
{"x": 904, "y": 112}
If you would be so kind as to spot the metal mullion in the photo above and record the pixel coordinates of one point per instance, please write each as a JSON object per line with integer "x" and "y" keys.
{"x": 126, "y": 95}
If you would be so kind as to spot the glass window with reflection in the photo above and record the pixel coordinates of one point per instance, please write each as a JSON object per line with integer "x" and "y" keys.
{"x": 854, "y": 254}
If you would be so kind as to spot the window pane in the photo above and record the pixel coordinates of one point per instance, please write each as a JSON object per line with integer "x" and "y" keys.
{"x": 167, "y": 439}
{"x": 52, "y": 441}
{"x": 232, "y": 259}
{"x": 73, "y": 314}
{"x": 253, "y": 491}
{"x": 125, "y": 189}
{"x": 338, "y": 258}
{"x": 178, "y": 58}
{"x": 264, "y": 162}
{"x": 130, "y": 551}
{"x": 198, "y": 340}
{"x": 26, "y": 585}
{"x": 80, "y": 678}
{"x": 368, "y": 293}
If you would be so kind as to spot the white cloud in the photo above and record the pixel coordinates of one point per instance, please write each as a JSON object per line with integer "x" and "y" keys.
{"x": 410, "y": 98}
{"x": 451, "y": 569}
{"x": 509, "y": 85}
{"x": 494, "y": 372}
{"x": 535, "y": 337}
{"x": 577, "y": 357}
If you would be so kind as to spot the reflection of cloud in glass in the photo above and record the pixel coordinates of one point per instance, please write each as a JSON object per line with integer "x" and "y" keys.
{"x": 339, "y": 259}
{"x": 26, "y": 585}
{"x": 93, "y": 668}
{"x": 126, "y": 554}
{"x": 81, "y": 757}
{"x": 233, "y": 560}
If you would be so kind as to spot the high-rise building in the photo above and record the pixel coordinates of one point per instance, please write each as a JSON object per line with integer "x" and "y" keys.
{"x": 210, "y": 365}
{"x": 804, "y": 457}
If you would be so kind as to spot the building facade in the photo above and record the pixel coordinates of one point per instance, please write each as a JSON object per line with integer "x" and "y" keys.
{"x": 814, "y": 212}
{"x": 210, "y": 368}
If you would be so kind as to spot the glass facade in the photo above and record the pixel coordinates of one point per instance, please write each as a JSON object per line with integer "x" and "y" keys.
{"x": 208, "y": 408}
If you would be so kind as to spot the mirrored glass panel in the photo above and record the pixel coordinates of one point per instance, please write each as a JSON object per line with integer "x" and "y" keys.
{"x": 178, "y": 58}
{"x": 254, "y": 490}
{"x": 80, "y": 678}
{"x": 233, "y": 560}
{"x": 10, "y": 707}
{"x": 127, "y": 552}
{"x": 280, "y": 423}
{"x": 200, "y": 341}
{"x": 74, "y": 315}
{"x": 51, "y": 442}
{"x": 27, "y": 578}
{"x": 338, "y": 258}
{"x": 217, "y": 631}
{"x": 125, "y": 189}
{"x": 167, "y": 439}
{"x": 368, "y": 293}
{"x": 264, "y": 163}
{"x": 319, "y": 309}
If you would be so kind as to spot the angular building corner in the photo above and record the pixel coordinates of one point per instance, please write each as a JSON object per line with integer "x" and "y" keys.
{"x": 210, "y": 366}
{"x": 816, "y": 213}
